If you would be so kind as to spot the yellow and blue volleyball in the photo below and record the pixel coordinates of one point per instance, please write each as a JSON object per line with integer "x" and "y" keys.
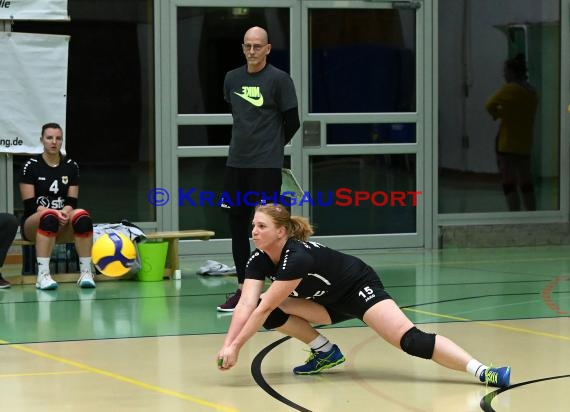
{"x": 113, "y": 254}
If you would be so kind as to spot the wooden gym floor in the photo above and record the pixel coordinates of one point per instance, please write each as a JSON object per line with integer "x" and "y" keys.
{"x": 151, "y": 346}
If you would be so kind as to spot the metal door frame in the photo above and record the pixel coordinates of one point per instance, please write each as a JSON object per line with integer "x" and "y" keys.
{"x": 168, "y": 120}
{"x": 422, "y": 237}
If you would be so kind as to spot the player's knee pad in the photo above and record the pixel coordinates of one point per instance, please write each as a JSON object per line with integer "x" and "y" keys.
{"x": 275, "y": 319}
{"x": 527, "y": 188}
{"x": 509, "y": 188}
{"x": 49, "y": 223}
{"x": 418, "y": 343}
{"x": 82, "y": 224}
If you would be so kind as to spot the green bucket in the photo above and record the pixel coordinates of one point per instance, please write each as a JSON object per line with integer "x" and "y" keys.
{"x": 153, "y": 261}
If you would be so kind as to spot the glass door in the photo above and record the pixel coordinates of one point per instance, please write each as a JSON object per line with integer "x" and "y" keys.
{"x": 361, "y": 143}
{"x": 358, "y": 154}
{"x": 207, "y": 43}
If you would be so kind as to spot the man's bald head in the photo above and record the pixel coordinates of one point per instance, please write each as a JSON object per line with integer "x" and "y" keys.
{"x": 256, "y": 33}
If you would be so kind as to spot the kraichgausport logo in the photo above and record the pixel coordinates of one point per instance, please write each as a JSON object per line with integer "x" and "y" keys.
{"x": 340, "y": 197}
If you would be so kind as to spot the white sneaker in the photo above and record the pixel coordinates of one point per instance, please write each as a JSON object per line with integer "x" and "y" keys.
{"x": 86, "y": 280}
{"x": 45, "y": 282}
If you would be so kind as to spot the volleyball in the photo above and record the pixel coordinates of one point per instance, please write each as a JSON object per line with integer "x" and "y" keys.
{"x": 113, "y": 254}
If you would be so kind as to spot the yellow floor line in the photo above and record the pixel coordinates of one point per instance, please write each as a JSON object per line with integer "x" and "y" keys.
{"x": 491, "y": 324}
{"x": 112, "y": 375}
{"x": 22, "y": 375}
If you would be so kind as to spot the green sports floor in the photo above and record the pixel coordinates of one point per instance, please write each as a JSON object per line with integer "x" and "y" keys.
{"x": 152, "y": 345}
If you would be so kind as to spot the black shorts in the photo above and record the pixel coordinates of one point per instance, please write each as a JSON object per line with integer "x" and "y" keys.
{"x": 245, "y": 188}
{"x": 358, "y": 299}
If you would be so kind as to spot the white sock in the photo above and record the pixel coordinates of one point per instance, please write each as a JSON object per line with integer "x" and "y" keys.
{"x": 43, "y": 265}
{"x": 475, "y": 368}
{"x": 85, "y": 264}
{"x": 320, "y": 344}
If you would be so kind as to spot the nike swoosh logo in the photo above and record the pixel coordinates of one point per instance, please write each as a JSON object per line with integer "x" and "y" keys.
{"x": 257, "y": 102}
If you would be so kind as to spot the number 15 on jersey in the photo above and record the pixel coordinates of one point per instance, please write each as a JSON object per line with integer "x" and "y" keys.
{"x": 366, "y": 293}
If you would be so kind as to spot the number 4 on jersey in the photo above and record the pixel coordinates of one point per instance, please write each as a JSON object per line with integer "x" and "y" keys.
{"x": 54, "y": 187}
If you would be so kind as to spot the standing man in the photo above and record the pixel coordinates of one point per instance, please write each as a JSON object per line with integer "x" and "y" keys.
{"x": 265, "y": 118}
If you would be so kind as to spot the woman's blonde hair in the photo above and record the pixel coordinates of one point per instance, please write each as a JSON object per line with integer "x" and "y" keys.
{"x": 297, "y": 227}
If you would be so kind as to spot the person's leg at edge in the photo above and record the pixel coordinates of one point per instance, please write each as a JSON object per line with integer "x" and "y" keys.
{"x": 526, "y": 183}
{"x": 240, "y": 228}
{"x": 239, "y": 223}
{"x": 388, "y": 320}
{"x": 509, "y": 181}
{"x": 242, "y": 181}
{"x": 8, "y": 229}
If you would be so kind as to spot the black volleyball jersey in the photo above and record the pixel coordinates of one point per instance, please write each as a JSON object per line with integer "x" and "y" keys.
{"x": 51, "y": 184}
{"x": 326, "y": 274}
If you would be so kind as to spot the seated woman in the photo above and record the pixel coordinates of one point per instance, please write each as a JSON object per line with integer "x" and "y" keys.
{"x": 49, "y": 188}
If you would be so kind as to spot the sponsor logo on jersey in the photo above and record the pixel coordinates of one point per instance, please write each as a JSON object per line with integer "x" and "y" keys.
{"x": 42, "y": 201}
{"x": 251, "y": 94}
{"x": 57, "y": 203}
{"x": 54, "y": 204}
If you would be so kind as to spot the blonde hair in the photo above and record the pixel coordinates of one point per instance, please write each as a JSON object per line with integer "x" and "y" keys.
{"x": 297, "y": 227}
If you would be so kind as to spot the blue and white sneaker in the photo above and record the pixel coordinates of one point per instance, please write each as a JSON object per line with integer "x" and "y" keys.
{"x": 497, "y": 377}
{"x": 45, "y": 282}
{"x": 86, "y": 280}
{"x": 319, "y": 361}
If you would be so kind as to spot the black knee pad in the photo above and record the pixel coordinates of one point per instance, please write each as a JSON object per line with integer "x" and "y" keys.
{"x": 418, "y": 343}
{"x": 509, "y": 188}
{"x": 527, "y": 188}
{"x": 275, "y": 319}
{"x": 82, "y": 224}
{"x": 49, "y": 224}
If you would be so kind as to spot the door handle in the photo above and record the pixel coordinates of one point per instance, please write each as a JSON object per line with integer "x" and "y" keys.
{"x": 311, "y": 133}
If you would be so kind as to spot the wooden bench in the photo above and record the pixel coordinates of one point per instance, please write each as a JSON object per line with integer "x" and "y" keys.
{"x": 172, "y": 265}
{"x": 172, "y": 237}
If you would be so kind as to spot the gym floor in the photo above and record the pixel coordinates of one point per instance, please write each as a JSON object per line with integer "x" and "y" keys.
{"x": 130, "y": 345}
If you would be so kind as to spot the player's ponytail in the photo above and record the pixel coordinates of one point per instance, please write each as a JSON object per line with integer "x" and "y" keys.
{"x": 297, "y": 227}
{"x": 300, "y": 228}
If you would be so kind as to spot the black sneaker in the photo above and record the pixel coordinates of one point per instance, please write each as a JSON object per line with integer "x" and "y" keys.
{"x": 4, "y": 284}
{"x": 231, "y": 302}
